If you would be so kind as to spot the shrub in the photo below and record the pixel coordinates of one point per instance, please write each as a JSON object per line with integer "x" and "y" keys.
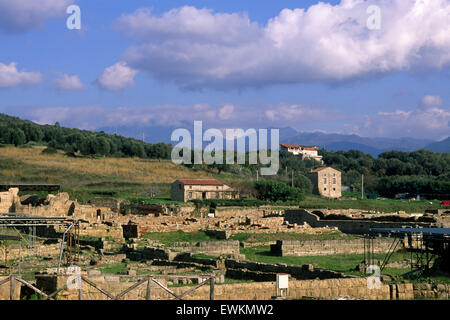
{"x": 278, "y": 191}
{"x": 49, "y": 150}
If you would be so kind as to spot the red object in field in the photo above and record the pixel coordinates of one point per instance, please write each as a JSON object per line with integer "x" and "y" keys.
{"x": 445, "y": 203}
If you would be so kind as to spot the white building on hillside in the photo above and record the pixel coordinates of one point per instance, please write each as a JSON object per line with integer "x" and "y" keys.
{"x": 305, "y": 152}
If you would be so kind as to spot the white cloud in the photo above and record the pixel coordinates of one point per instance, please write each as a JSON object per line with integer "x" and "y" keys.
{"x": 200, "y": 48}
{"x": 431, "y": 101}
{"x": 432, "y": 122}
{"x": 172, "y": 115}
{"x": 95, "y": 116}
{"x": 187, "y": 21}
{"x": 422, "y": 123}
{"x": 297, "y": 114}
{"x": 67, "y": 82}
{"x": 24, "y": 15}
{"x": 117, "y": 77}
{"x": 226, "y": 112}
{"x": 10, "y": 76}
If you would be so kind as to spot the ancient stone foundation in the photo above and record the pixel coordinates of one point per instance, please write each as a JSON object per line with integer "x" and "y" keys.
{"x": 348, "y": 225}
{"x": 327, "y": 247}
{"x": 330, "y": 289}
{"x": 214, "y": 248}
{"x": 111, "y": 284}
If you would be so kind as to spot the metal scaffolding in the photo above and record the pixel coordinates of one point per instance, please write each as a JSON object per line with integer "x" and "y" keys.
{"x": 30, "y": 223}
{"x": 425, "y": 245}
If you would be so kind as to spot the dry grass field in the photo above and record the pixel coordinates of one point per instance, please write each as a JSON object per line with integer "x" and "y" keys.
{"x": 126, "y": 169}
{"x": 78, "y": 175}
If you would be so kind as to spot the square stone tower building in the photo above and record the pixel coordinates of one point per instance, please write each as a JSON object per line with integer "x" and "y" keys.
{"x": 326, "y": 182}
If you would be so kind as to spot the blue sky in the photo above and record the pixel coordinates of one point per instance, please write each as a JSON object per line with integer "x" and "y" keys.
{"x": 231, "y": 64}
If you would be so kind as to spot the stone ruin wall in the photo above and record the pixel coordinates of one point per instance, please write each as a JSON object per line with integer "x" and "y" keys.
{"x": 236, "y": 267}
{"x": 9, "y": 199}
{"x": 229, "y": 212}
{"x": 111, "y": 203}
{"x": 231, "y": 219}
{"x": 56, "y": 206}
{"x": 327, "y": 247}
{"x": 137, "y": 226}
{"x": 325, "y": 289}
{"x": 110, "y": 283}
{"x": 257, "y": 271}
{"x": 15, "y": 251}
{"x": 328, "y": 289}
{"x": 351, "y": 288}
{"x": 5, "y": 289}
{"x": 214, "y": 248}
{"x": 302, "y": 217}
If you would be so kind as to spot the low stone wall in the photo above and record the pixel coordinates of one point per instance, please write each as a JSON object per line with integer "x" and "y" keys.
{"x": 111, "y": 203}
{"x": 98, "y": 230}
{"x": 109, "y": 283}
{"x": 101, "y": 230}
{"x": 353, "y": 226}
{"x": 170, "y": 223}
{"x": 5, "y": 289}
{"x": 152, "y": 253}
{"x": 228, "y": 212}
{"x": 214, "y": 248}
{"x": 104, "y": 229}
{"x": 180, "y": 265}
{"x": 218, "y": 234}
{"x": 187, "y": 257}
{"x": 146, "y": 209}
{"x": 327, "y": 247}
{"x": 330, "y": 289}
{"x": 103, "y": 244}
{"x": 250, "y": 223}
{"x": 257, "y": 271}
{"x": 15, "y": 252}
{"x": 267, "y": 222}
{"x": 355, "y": 288}
{"x": 431, "y": 291}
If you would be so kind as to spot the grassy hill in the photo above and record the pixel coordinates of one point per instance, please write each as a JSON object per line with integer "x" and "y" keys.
{"x": 85, "y": 177}
{"x": 135, "y": 178}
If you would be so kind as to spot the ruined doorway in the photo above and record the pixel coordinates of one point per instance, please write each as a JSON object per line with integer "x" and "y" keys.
{"x": 71, "y": 209}
{"x": 204, "y": 195}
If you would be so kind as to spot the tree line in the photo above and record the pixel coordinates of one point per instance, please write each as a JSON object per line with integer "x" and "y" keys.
{"x": 421, "y": 172}
{"x": 20, "y": 132}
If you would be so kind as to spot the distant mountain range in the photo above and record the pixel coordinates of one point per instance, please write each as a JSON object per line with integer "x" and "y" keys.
{"x": 288, "y": 135}
{"x": 374, "y": 146}
{"x": 440, "y": 146}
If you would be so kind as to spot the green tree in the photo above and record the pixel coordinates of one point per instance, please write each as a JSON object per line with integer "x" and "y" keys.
{"x": 17, "y": 137}
{"x": 100, "y": 146}
{"x": 303, "y": 183}
{"x": 272, "y": 190}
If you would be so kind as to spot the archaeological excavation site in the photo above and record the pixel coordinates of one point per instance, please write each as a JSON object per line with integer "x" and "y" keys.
{"x": 54, "y": 248}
